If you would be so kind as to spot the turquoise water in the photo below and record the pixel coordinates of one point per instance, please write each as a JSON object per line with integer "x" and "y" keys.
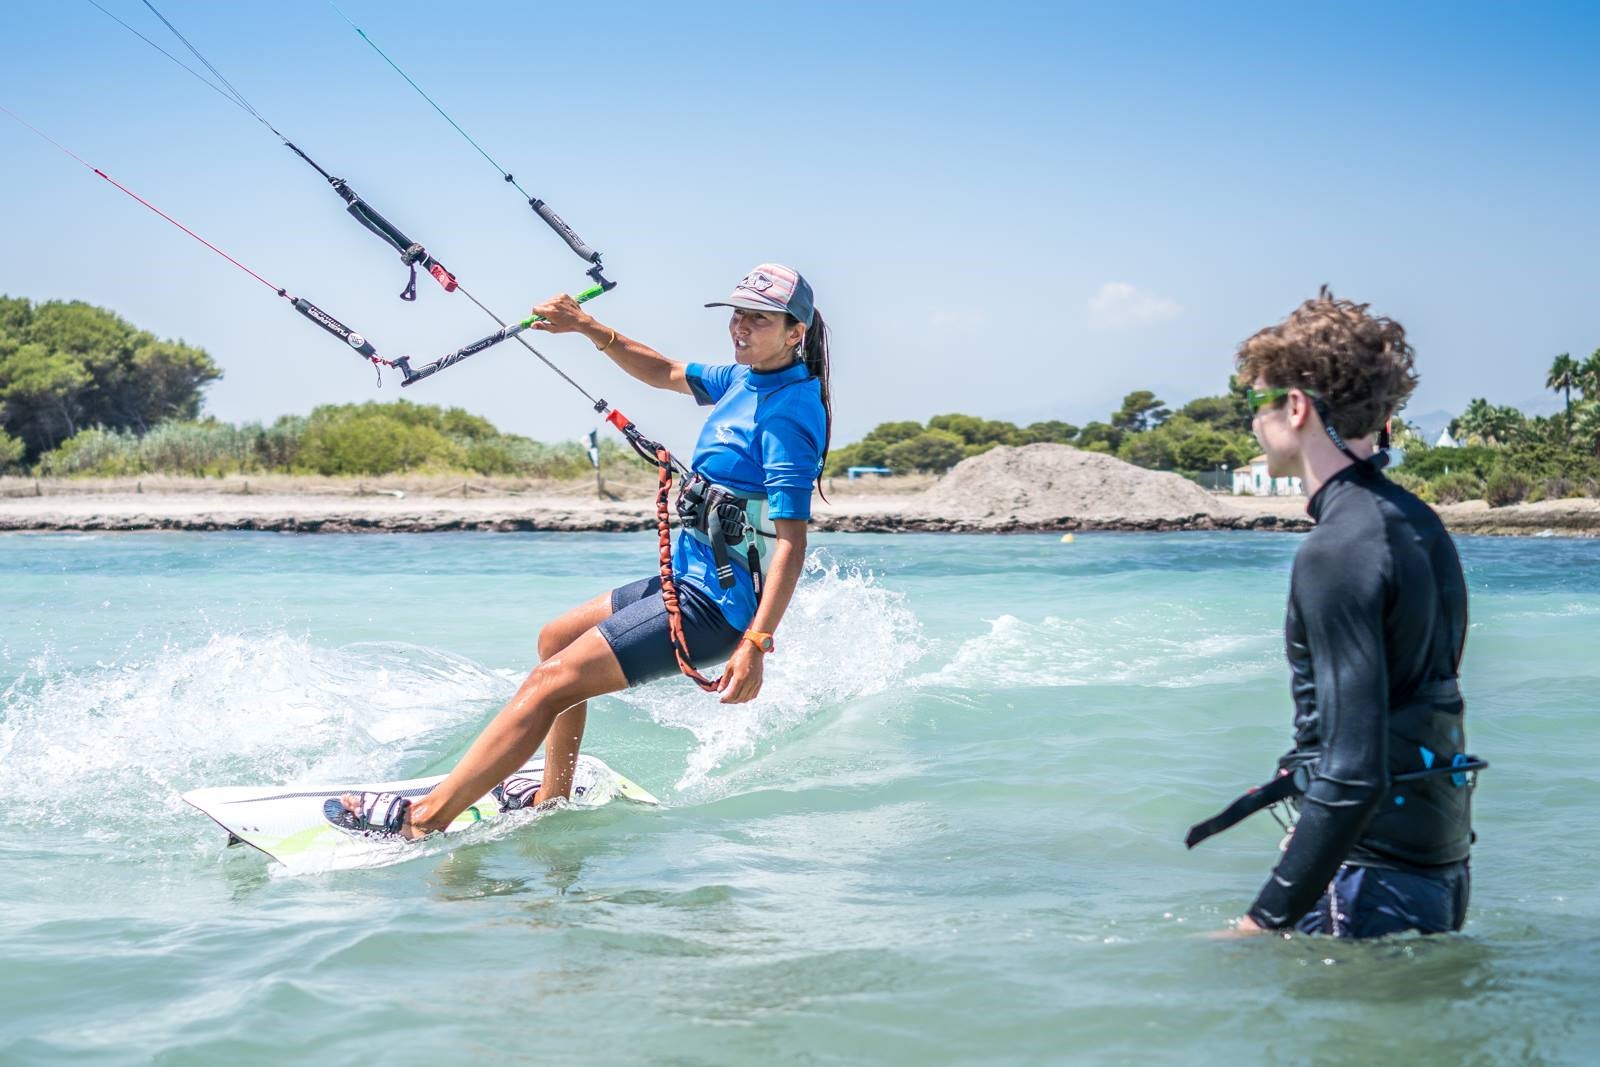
{"x": 949, "y": 832}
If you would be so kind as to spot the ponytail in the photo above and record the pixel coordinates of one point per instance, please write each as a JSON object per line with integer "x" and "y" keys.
{"x": 815, "y": 354}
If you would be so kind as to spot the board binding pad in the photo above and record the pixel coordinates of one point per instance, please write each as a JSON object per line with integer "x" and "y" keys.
{"x": 288, "y": 823}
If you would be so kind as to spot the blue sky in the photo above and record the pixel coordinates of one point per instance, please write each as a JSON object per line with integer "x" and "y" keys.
{"x": 1015, "y": 210}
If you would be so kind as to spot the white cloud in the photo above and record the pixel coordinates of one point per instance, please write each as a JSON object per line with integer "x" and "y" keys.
{"x": 1119, "y": 304}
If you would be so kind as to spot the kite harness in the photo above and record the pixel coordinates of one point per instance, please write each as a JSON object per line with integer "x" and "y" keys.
{"x": 1291, "y": 783}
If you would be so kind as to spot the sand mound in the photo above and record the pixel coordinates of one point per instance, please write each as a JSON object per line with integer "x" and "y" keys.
{"x": 1046, "y": 485}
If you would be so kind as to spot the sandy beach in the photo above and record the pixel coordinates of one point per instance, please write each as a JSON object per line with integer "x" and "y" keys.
{"x": 1037, "y": 488}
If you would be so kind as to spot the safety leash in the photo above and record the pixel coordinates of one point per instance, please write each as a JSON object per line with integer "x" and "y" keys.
{"x": 669, "y": 588}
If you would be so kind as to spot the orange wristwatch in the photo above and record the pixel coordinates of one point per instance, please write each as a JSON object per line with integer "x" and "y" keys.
{"x": 763, "y": 641}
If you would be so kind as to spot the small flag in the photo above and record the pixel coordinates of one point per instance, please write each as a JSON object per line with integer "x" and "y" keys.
{"x": 594, "y": 449}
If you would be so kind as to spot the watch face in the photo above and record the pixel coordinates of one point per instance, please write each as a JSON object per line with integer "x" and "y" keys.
{"x": 766, "y": 644}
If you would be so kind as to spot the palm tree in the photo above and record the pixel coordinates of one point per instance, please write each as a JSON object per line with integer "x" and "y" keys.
{"x": 1588, "y": 382}
{"x": 1473, "y": 422}
{"x": 1588, "y": 425}
{"x": 1562, "y": 377}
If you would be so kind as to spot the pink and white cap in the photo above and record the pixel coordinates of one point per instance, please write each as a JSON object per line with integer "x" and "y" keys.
{"x": 772, "y": 287}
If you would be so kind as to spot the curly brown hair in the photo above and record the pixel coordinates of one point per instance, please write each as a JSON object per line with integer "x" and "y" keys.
{"x": 1359, "y": 363}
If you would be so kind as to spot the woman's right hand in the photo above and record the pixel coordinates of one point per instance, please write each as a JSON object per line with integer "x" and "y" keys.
{"x": 561, "y": 315}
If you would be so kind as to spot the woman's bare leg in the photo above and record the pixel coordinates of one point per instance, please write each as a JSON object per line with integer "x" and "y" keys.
{"x": 561, "y": 744}
{"x": 586, "y": 668}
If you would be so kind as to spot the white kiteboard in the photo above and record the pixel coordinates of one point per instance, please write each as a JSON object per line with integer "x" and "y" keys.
{"x": 289, "y": 823}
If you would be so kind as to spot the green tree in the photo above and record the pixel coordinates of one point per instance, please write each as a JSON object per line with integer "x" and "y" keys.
{"x": 1562, "y": 377}
{"x": 1487, "y": 423}
{"x": 1586, "y": 426}
{"x": 1140, "y": 411}
{"x": 163, "y": 382}
{"x": 890, "y": 433}
{"x": 1183, "y": 443}
{"x": 1051, "y": 431}
{"x": 1153, "y": 450}
{"x": 1589, "y": 376}
{"x": 11, "y": 450}
{"x": 1225, "y": 413}
{"x": 42, "y": 394}
{"x": 68, "y": 365}
{"x": 859, "y": 454}
{"x": 14, "y": 315}
{"x": 1099, "y": 437}
{"x": 983, "y": 433}
{"x": 932, "y": 450}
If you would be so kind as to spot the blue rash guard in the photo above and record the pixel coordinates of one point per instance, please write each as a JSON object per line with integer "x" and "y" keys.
{"x": 764, "y": 437}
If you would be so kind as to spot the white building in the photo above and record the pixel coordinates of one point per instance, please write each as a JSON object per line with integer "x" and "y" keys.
{"x": 1253, "y": 480}
{"x": 1445, "y": 440}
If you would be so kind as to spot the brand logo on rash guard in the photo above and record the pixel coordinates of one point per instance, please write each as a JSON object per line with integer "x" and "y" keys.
{"x": 725, "y": 435}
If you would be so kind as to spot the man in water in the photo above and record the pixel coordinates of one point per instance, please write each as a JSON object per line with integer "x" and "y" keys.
{"x": 1376, "y": 624}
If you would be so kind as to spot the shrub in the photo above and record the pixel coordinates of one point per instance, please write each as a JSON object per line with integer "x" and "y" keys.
{"x": 1456, "y": 487}
{"x": 1505, "y": 487}
{"x": 1559, "y": 487}
{"x": 197, "y": 448}
{"x": 96, "y": 452}
{"x": 374, "y": 443}
{"x": 278, "y": 446}
{"x": 1435, "y": 463}
{"x": 11, "y": 450}
{"x": 510, "y": 454}
{"x": 1413, "y": 484}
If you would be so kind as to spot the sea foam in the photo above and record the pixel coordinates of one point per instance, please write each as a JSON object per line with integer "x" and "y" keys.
{"x": 844, "y": 636}
{"x": 111, "y": 747}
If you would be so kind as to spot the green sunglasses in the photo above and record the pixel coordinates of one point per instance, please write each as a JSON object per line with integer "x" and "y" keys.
{"x": 1260, "y": 398}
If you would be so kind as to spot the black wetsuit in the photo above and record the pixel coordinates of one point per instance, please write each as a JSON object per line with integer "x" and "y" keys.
{"x": 1376, "y": 625}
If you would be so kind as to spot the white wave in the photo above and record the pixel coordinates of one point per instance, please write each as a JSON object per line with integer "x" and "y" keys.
{"x": 108, "y": 749}
{"x": 1142, "y": 647}
{"x": 844, "y": 636}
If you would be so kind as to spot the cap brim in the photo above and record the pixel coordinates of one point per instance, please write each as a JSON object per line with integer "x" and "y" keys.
{"x": 748, "y": 305}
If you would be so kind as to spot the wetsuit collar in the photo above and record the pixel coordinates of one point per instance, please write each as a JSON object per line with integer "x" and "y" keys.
{"x": 1357, "y": 471}
{"x": 763, "y": 381}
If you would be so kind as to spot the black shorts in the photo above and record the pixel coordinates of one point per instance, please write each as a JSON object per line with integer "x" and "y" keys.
{"x": 637, "y": 630}
{"x": 1365, "y": 902}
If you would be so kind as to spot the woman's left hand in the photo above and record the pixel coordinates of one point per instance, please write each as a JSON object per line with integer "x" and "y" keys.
{"x": 741, "y": 682}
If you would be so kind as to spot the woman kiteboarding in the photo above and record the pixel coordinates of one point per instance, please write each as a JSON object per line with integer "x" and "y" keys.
{"x": 744, "y": 508}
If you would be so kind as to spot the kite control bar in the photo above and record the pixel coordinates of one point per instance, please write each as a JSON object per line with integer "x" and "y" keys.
{"x": 505, "y": 333}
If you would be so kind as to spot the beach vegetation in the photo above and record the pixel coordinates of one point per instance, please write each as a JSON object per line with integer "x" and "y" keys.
{"x": 1456, "y": 487}
{"x": 931, "y": 450}
{"x": 84, "y": 393}
{"x": 66, "y": 366}
{"x": 911, "y": 447}
{"x": 337, "y": 439}
{"x": 11, "y": 451}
